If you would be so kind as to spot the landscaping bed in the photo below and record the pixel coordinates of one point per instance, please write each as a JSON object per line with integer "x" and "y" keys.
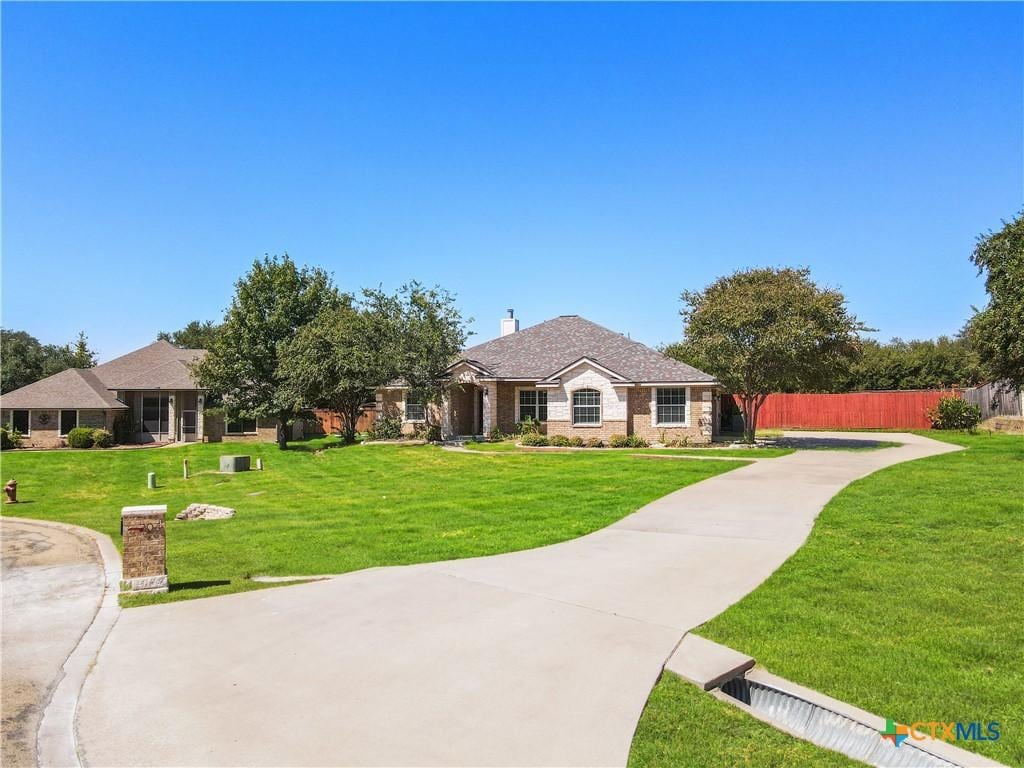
{"x": 905, "y": 601}
{"x": 323, "y": 508}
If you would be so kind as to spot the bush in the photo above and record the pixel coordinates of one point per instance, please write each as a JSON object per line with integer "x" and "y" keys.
{"x": 80, "y": 437}
{"x": 429, "y": 432}
{"x": 496, "y": 434}
{"x": 954, "y": 413}
{"x": 560, "y": 440}
{"x": 9, "y": 437}
{"x": 682, "y": 442}
{"x": 595, "y": 442}
{"x": 533, "y": 438}
{"x": 635, "y": 441}
{"x": 618, "y": 441}
{"x": 576, "y": 442}
{"x": 101, "y": 438}
{"x": 126, "y": 428}
{"x": 528, "y": 427}
{"x": 385, "y": 428}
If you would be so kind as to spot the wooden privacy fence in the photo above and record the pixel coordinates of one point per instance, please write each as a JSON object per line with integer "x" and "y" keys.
{"x": 995, "y": 399}
{"x": 852, "y": 410}
{"x": 331, "y": 422}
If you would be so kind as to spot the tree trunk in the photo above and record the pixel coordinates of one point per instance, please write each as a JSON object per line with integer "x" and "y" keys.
{"x": 749, "y": 419}
{"x": 282, "y": 433}
{"x": 351, "y": 417}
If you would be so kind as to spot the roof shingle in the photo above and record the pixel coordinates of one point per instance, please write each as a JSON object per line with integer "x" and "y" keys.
{"x": 544, "y": 349}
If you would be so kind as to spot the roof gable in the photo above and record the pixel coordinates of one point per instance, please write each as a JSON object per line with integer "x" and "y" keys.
{"x": 71, "y": 388}
{"x": 549, "y": 348}
{"x": 148, "y": 368}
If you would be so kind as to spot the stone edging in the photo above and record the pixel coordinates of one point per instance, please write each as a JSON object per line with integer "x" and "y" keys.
{"x": 56, "y": 739}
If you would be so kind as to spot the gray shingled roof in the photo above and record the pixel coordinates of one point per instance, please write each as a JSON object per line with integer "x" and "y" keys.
{"x": 73, "y": 388}
{"x": 121, "y": 372}
{"x": 159, "y": 365}
{"x": 544, "y": 349}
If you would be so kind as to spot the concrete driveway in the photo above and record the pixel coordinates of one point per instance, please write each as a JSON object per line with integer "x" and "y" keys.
{"x": 536, "y": 658}
{"x": 52, "y": 587}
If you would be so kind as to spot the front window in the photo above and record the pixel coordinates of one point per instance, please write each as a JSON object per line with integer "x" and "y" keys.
{"x": 414, "y": 410}
{"x": 586, "y": 406}
{"x": 671, "y": 404}
{"x": 533, "y": 404}
{"x": 241, "y": 425}
{"x": 19, "y": 420}
{"x": 68, "y": 421}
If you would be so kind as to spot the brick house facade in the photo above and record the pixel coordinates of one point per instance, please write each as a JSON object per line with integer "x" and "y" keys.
{"x": 149, "y": 393}
{"x": 576, "y": 378}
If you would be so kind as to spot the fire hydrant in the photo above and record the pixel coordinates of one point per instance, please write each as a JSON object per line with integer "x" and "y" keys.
{"x": 11, "y": 489}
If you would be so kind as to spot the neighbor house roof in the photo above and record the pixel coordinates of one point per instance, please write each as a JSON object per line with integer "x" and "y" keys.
{"x": 159, "y": 365}
{"x": 549, "y": 349}
{"x": 139, "y": 369}
{"x": 72, "y": 388}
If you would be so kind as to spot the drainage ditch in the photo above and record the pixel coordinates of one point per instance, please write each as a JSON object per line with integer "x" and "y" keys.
{"x": 826, "y": 728}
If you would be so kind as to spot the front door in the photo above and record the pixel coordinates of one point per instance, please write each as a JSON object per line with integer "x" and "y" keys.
{"x": 479, "y": 412}
{"x": 188, "y": 426}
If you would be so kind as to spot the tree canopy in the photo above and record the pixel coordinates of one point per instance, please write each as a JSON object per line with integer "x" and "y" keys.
{"x": 920, "y": 364}
{"x": 271, "y": 303}
{"x": 768, "y": 330}
{"x": 24, "y": 360}
{"x": 997, "y": 331}
{"x": 198, "y": 334}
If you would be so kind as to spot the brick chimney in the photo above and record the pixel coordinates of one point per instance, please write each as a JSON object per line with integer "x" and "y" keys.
{"x": 509, "y": 324}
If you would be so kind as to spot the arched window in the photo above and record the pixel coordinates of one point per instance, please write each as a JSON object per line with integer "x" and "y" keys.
{"x": 586, "y": 407}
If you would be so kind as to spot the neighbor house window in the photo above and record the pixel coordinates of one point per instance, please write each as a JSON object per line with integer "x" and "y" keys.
{"x": 533, "y": 404}
{"x": 20, "y": 421}
{"x": 414, "y": 410}
{"x": 241, "y": 425}
{"x": 671, "y": 404}
{"x": 68, "y": 421}
{"x": 586, "y": 406}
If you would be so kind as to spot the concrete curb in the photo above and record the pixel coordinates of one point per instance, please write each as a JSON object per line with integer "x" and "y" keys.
{"x": 56, "y": 740}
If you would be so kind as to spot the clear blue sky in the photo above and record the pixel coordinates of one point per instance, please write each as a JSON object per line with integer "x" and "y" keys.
{"x": 591, "y": 159}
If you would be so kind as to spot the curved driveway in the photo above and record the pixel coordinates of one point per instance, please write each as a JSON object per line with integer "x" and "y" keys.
{"x": 543, "y": 657}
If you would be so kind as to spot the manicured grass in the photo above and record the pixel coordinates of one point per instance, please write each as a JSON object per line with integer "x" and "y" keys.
{"x": 509, "y": 446}
{"x": 905, "y": 600}
{"x": 344, "y": 508}
{"x": 683, "y": 726}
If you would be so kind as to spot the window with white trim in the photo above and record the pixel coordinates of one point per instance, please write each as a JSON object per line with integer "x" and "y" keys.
{"x": 671, "y": 405}
{"x": 586, "y": 407}
{"x": 533, "y": 404}
{"x": 20, "y": 421}
{"x": 414, "y": 409}
{"x": 68, "y": 420}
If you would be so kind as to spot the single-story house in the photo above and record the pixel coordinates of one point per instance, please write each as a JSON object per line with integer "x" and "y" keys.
{"x": 576, "y": 378}
{"x": 153, "y": 388}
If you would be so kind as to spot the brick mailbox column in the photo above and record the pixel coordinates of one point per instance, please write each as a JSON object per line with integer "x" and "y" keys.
{"x": 145, "y": 549}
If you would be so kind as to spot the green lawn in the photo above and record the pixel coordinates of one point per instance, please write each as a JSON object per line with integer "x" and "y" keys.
{"x": 906, "y": 601}
{"x": 341, "y": 509}
{"x": 509, "y": 446}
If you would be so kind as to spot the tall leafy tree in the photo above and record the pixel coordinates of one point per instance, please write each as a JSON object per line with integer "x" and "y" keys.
{"x": 768, "y": 330}
{"x": 25, "y": 360}
{"x": 339, "y": 359}
{"x": 997, "y": 331}
{"x": 196, "y": 335}
{"x": 432, "y": 333}
{"x": 919, "y": 364}
{"x": 271, "y": 303}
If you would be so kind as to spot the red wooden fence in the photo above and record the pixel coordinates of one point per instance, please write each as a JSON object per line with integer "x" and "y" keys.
{"x": 852, "y": 410}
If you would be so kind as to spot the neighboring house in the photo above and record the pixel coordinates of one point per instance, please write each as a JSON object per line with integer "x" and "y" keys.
{"x": 153, "y": 388}
{"x": 576, "y": 378}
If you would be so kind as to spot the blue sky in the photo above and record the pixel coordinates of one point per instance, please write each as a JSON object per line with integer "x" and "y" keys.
{"x": 591, "y": 159}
